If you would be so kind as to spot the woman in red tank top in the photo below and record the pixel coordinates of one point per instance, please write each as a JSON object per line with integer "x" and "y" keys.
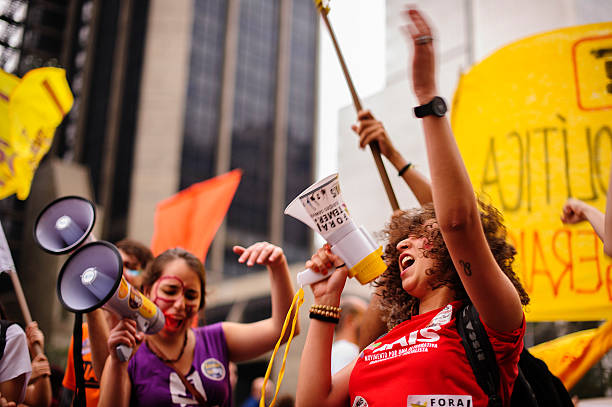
{"x": 439, "y": 257}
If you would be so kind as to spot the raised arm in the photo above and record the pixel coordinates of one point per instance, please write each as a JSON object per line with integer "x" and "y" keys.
{"x": 453, "y": 196}
{"x": 38, "y": 392}
{"x": 98, "y": 337}
{"x": 369, "y": 129}
{"x": 115, "y": 384}
{"x": 576, "y": 211}
{"x": 316, "y": 386}
{"x": 246, "y": 341}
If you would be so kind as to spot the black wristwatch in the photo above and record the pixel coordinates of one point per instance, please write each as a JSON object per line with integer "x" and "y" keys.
{"x": 436, "y": 106}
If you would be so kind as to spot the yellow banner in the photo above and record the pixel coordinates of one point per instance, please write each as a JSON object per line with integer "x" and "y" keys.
{"x": 30, "y": 110}
{"x": 534, "y": 124}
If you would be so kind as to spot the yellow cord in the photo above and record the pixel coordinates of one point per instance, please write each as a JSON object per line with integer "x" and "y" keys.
{"x": 299, "y": 300}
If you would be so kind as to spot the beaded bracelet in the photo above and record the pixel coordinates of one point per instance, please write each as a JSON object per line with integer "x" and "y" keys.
{"x": 324, "y": 318}
{"x": 329, "y": 308}
{"x": 326, "y": 313}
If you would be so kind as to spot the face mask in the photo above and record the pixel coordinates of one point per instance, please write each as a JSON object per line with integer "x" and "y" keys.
{"x": 133, "y": 273}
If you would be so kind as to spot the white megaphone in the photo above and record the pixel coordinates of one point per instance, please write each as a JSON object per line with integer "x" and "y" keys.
{"x": 321, "y": 208}
{"x": 92, "y": 277}
{"x": 65, "y": 224}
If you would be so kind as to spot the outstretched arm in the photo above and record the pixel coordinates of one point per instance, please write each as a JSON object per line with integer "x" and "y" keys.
{"x": 246, "y": 341}
{"x": 369, "y": 129}
{"x": 454, "y": 199}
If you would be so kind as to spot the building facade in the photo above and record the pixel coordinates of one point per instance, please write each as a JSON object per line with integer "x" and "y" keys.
{"x": 168, "y": 94}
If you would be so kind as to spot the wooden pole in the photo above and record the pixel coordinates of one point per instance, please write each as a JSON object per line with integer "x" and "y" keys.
{"x": 27, "y": 317}
{"x": 374, "y": 148}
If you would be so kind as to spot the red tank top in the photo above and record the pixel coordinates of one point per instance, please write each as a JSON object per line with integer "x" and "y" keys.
{"x": 421, "y": 362}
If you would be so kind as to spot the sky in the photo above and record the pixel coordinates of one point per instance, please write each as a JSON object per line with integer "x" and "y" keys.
{"x": 359, "y": 26}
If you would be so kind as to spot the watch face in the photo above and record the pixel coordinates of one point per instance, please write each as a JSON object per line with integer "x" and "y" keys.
{"x": 438, "y": 106}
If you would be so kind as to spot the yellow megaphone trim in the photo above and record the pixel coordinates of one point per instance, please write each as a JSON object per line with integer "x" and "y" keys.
{"x": 370, "y": 267}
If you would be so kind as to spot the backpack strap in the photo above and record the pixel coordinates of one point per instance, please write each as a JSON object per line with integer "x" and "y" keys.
{"x": 3, "y": 328}
{"x": 479, "y": 352}
{"x": 522, "y": 388}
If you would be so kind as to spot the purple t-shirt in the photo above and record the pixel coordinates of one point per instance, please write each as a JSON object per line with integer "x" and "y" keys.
{"x": 156, "y": 384}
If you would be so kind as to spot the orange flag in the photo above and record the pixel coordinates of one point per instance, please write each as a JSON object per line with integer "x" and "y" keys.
{"x": 571, "y": 356}
{"x": 191, "y": 218}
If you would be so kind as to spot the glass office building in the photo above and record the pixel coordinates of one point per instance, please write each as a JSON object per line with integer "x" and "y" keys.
{"x": 254, "y": 83}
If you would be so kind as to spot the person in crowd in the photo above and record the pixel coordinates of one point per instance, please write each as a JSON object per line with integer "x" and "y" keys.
{"x": 369, "y": 129}
{"x": 440, "y": 258}
{"x": 345, "y": 348}
{"x": 255, "y": 396}
{"x": 576, "y": 211}
{"x": 136, "y": 257}
{"x": 181, "y": 365}
{"x": 15, "y": 366}
{"x": 38, "y": 392}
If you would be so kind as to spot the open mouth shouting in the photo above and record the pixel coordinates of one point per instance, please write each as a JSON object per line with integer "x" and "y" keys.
{"x": 173, "y": 322}
{"x": 406, "y": 260}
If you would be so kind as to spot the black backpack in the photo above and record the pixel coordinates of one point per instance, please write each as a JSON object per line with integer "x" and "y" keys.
{"x": 535, "y": 385}
{"x": 3, "y": 327}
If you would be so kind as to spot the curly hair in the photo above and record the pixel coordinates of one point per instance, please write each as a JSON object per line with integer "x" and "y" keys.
{"x": 397, "y": 305}
{"x": 156, "y": 268}
{"x": 141, "y": 253}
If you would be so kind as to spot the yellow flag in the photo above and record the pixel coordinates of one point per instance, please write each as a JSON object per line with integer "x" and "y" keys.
{"x": 534, "y": 125}
{"x": 323, "y": 6}
{"x": 571, "y": 356}
{"x": 30, "y": 111}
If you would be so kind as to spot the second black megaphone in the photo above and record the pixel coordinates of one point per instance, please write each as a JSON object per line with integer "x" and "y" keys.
{"x": 65, "y": 224}
{"x": 92, "y": 277}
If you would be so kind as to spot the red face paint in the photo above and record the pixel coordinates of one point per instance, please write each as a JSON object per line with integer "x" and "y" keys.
{"x": 167, "y": 290}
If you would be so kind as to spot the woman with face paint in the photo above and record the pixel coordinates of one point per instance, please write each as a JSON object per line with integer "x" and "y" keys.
{"x": 180, "y": 365}
{"x": 440, "y": 258}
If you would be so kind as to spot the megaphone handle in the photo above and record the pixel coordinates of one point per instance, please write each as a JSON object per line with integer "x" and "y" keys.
{"x": 123, "y": 352}
{"x": 308, "y": 277}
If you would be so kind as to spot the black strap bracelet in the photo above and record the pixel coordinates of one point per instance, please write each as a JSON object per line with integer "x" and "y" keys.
{"x": 324, "y": 318}
{"x": 404, "y": 169}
